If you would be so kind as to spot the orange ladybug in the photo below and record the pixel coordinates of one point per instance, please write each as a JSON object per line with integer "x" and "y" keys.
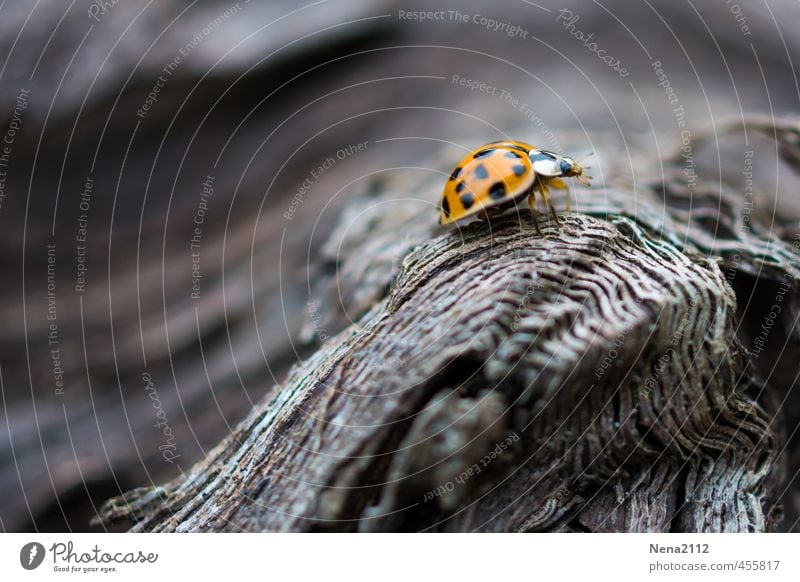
{"x": 500, "y": 174}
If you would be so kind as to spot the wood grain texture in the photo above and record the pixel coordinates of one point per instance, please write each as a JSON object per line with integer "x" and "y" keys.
{"x": 605, "y": 356}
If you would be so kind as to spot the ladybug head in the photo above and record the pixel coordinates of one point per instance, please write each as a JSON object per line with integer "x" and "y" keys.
{"x": 570, "y": 168}
{"x": 566, "y": 165}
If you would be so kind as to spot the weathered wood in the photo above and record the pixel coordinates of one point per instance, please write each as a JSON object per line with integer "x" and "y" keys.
{"x": 589, "y": 380}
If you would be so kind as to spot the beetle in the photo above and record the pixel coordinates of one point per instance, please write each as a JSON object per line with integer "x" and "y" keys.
{"x": 500, "y": 174}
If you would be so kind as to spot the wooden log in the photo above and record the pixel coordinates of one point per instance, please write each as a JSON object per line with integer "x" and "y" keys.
{"x": 495, "y": 380}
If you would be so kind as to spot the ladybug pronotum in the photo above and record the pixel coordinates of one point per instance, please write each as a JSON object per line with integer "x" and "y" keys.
{"x": 501, "y": 174}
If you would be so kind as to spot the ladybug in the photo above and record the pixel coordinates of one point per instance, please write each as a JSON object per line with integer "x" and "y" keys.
{"x": 500, "y": 174}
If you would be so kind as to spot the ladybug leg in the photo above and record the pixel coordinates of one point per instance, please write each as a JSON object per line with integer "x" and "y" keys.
{"x": 532, "y": 204}
{"x": 560, "y": 184}
{"x": 546, "y": 196}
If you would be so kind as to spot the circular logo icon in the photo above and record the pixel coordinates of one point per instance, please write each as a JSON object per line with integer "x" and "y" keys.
{"x": 31, "y": 555}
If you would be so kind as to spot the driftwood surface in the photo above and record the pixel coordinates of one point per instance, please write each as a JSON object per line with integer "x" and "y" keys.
{"x": 271, "y": 94}
{"x": 496, "y": 380}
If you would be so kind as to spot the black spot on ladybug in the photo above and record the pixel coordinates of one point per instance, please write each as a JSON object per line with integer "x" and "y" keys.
{"x": 455, "y": 173}
{"x": 518, "y": 169}
{"x": 497, "y": 191}
{"x": 467, "y": 200}
{"x": 483, "y": 153}
{"x": 480, "y": 172}
{"x": 446, "y": 207}
{"x": 459, "y": 187}
{"x": 513, "y": 155}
